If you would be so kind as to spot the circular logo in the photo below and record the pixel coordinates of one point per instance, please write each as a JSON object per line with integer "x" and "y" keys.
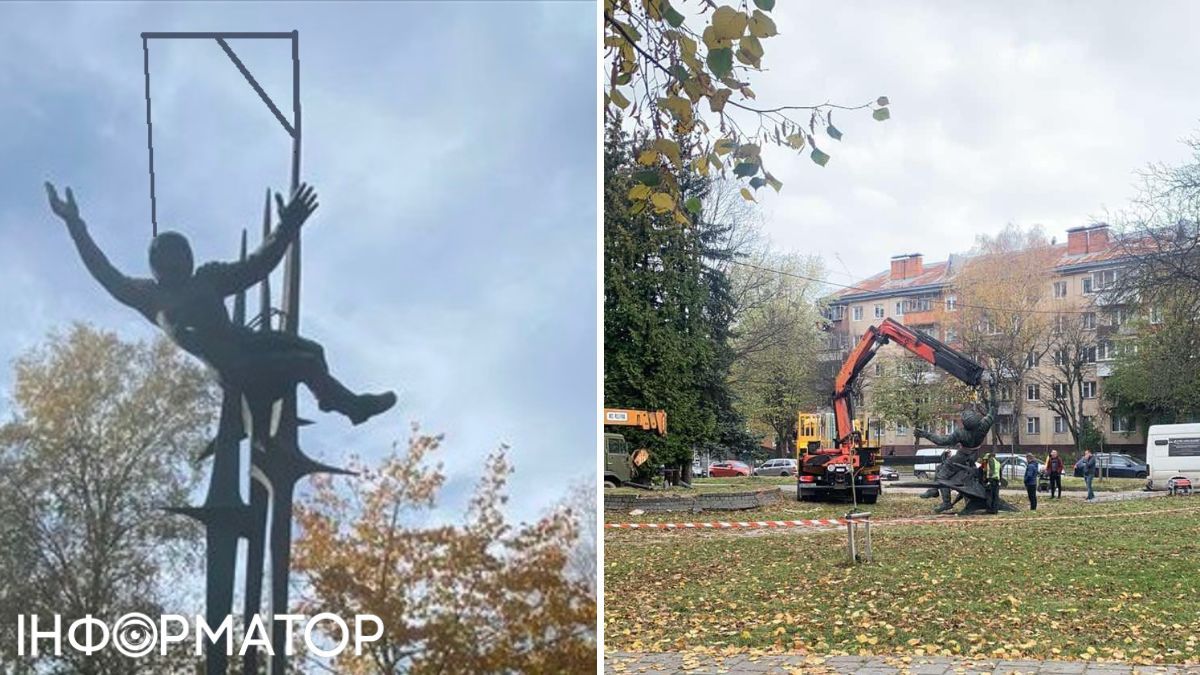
{"x": 135, "y": 635}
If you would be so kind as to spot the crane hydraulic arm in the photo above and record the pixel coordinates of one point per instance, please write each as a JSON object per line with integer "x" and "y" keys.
{"x": 924, "y": 346}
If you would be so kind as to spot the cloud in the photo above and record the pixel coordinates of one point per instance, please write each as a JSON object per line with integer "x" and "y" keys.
{"x": 1037, "y": 116}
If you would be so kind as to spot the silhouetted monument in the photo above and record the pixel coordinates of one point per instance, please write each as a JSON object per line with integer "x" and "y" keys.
{"x": 258, "y": 365}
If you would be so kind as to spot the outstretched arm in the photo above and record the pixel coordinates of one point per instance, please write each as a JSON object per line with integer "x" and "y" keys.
{"x": 235, "y": 277}
{"x": 132, "y": 292}
{"x": 937, "y": 439}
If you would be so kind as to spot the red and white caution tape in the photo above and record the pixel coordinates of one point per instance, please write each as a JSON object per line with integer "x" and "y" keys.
{"x": 925, "y": 520}
{"x": 820, "y": 522}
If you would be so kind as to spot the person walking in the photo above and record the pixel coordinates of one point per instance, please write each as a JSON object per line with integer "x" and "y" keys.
{"x": 1031, "y": 477}
{"x": 1087, "y": 467}
{"x": 991, "y": 467}
{"x": 1054, "y": 469}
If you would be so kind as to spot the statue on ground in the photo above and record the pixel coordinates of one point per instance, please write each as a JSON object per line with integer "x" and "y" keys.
{"x": 189, "y": 306}
{"x": 958, "y": 470}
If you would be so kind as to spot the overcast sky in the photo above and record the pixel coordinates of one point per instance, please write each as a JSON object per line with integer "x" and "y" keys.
{"x": 1030, "y": 113}
{"x": 453, "y": 149}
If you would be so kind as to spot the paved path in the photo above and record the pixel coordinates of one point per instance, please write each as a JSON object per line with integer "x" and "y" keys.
{"x": 624, "y": 663}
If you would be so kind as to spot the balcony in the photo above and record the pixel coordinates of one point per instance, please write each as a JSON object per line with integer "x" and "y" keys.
{"x": 1105, "y": 368}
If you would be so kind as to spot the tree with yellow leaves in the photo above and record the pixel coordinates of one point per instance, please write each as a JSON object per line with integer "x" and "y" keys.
{"x": 481, "y": 596}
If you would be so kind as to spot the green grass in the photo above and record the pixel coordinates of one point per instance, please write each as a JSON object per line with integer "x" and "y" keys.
{"x": 740, "y": 484}
{"x": 1022, "y": 585}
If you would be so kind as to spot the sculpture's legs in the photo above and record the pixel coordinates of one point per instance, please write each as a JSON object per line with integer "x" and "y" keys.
{"x": 255, "y": 545}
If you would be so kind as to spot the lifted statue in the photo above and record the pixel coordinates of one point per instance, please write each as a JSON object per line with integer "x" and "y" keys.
{"x": 189, "y": 306}
{"x": 958, "y": 470}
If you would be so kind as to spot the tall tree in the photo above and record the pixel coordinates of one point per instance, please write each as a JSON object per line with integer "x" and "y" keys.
{"x": 777, "y": 339}
{"x": 1001, "y": 315}
{"x": 101, "y": 439}
{"x": 483, "y": 596}
{"x": 1071, "y": 363}
{"x": 663, "y": 69}
{"x": 910, "y": 392}
{"x": 1159, "y": 378}
{"x": 667, "y": 315}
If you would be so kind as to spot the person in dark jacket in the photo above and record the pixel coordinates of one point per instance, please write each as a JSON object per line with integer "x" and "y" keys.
{"x": 1087, "y": 467}
{"x": 1054, "y": 469}
{"x": 1031, "y": 476}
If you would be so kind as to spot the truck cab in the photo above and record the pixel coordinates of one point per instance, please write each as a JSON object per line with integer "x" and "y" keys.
{"x": 618, "y": 466}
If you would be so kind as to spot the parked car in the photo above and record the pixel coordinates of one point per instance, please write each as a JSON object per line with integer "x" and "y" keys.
{"x": 888, "y": 473}
{"x": 1117, "y": 465}
{"x": 777, "y": 467}
{"x": 728, "y": 469}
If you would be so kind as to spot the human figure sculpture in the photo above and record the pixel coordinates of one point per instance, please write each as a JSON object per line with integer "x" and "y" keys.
{"x": 958, "y": 470}
{"x": 189, "y": 306}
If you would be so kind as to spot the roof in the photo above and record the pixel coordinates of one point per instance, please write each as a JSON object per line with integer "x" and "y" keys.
{"x": 935, "y": 276}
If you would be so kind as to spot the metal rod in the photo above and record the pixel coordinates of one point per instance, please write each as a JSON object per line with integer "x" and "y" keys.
{"x": 257, "y": 88}
{"x": 149, "y": 135}
{"x": 151, "y": 35}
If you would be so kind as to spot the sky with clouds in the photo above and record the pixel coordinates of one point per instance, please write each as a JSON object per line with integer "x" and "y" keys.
{"x": 453, "y": 148}
{"x": 1026, "y": 113}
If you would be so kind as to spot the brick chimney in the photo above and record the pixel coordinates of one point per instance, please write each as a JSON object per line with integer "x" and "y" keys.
{"x": 1077, "y": 241}
{"x": 1087, "y": 239}
{"x": 906, "y": 266}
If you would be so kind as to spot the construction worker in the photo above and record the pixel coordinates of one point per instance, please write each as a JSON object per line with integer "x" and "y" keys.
{"x": 991, "y": 468}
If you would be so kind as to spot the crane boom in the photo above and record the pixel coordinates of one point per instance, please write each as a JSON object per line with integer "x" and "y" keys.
{"x": 926, "y": 347}
{"x": 649, "y": 420}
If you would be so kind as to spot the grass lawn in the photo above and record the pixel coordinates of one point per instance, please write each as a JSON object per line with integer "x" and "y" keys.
{"x": 1016, "y": 586}
{"x": 739, "y": 484}
{"x": 1072, "y": 484}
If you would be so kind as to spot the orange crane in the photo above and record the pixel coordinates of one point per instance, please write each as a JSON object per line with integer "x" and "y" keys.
{"x": 851, "y": 467}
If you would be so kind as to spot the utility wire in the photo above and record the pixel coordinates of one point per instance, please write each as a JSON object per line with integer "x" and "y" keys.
{"x": 868, "y": 290}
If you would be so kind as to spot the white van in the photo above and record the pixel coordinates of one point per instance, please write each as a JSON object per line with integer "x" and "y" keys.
{"x": 1172, "y": 450}
{"x": 928, "y": 460}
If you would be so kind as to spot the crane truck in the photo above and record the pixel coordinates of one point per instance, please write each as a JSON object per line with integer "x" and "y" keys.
{"x": 850, "y": 468}
{"x": 620, "y": 465}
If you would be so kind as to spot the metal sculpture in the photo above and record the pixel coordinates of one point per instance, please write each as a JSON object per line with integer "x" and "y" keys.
{"x": 258, "y": 366}
{"x": 958, "y": 470}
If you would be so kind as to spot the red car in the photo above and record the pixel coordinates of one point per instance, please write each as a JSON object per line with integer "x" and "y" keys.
{"x": 728, "y": 469}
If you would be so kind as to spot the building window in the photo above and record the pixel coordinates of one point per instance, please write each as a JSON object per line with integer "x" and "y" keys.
{"x": 1032, "y": 360}
{"x": 1060, "y": 390}
{"x": 1006, "y": 393}
{"x": 1033, "y": 392}
{"x": 878, "y": 311}
{"x": 1088, "y": 354}
{"x": 1060, "y": 289}
{"x": 1089, "y": 389}
{"x": 899, "y": 309}
{"x": 951, "y": 335}
{"x": 1089, "y": 320}
{"x": 1033, "y": 425}
{"x": 1155, "y": 315}
{"x": 1105, "y": 351}
{"x": 879, "y": 369}
{"x": 1060, "y": 323}
{"x": 1060, "y": 357}
{"x": 1060, "y": 424}
{"x": 951, "y": 303}
{"x": 901, "y": 429}
{"x": 1122, "y": 424}
{"x": 1087, "y": 285}
{"x": 858, "y": 313}
{"x": 1105, "y": 279}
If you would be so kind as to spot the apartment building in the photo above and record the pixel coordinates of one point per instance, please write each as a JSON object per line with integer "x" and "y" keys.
{"x": 921, "y": 296}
